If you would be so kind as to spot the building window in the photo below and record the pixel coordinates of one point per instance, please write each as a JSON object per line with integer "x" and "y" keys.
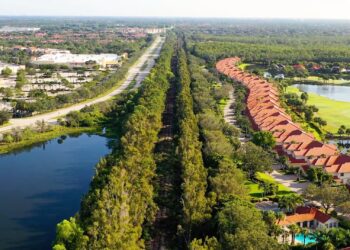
{"x": 342, "y": 174}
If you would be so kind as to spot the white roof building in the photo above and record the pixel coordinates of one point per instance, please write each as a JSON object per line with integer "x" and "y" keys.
{"x": 8, "y": 29}
{"x": 77, "y": 59}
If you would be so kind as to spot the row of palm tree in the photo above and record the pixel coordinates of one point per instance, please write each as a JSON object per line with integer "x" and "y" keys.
{"x": 294, "y": 230}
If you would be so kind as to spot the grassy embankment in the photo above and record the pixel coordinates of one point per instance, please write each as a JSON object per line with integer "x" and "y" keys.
{"x": 257, "y": 192}
{"x": 336, "y": 113}
{"x": 319, "y": 80}
{"x": 42, "y": 137}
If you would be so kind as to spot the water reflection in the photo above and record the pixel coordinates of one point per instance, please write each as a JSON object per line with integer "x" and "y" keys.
{"x": 43, "y": 184}
{"x": 334, "y": 92}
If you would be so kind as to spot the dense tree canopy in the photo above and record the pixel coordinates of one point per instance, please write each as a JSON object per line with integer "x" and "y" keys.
{"x": 120, "y": 199}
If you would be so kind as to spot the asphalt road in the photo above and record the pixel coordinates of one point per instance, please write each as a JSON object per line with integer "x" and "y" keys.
{"x": 137, "y": 72}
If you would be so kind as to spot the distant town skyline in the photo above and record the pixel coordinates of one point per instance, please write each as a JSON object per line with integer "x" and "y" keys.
{"x": 298, "y": 9}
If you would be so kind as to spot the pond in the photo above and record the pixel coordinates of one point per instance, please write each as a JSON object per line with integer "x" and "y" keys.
{"x": 42, "y": 185}
{"x": 334, "y": 92}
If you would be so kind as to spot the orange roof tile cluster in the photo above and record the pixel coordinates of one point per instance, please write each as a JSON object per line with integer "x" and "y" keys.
{"x": 303, "y": 214}
{"x": 266, "y": 114}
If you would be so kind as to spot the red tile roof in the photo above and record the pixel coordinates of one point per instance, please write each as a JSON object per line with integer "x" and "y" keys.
{"x": 267, "y": 114}
{"x": 303, "y": 214}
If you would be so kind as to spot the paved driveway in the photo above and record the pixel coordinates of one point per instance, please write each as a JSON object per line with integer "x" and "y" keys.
{"x": 288, "y": 180}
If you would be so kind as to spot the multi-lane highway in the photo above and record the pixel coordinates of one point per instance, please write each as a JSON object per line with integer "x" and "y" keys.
{"x": 136, "y": 72}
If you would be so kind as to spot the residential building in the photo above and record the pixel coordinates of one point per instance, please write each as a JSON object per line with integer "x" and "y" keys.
{"x": 309, "y": 217}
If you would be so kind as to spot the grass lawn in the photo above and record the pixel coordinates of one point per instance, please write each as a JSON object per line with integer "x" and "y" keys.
{"x": 256, "y": 192}
{"x": 320, "y": 80}
{"x": 243, "y": 66}
{"x": 336, "y": 113}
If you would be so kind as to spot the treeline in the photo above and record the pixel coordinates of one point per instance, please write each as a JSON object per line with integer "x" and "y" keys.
{"x": 217, "y": 213}
{"x": 216, "y": 209}
{"x": 234, "y": 223}
{"x": 194, "y": 174}
{"x": 120, "y": 199}
{"x": 83, "y": 46}
{"x": 267, "y": 53}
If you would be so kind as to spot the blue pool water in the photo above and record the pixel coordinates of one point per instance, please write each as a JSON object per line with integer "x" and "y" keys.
{"x": 308, "y": 239}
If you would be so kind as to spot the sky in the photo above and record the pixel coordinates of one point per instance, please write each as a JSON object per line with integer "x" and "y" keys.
{"x": 298, "y": 9}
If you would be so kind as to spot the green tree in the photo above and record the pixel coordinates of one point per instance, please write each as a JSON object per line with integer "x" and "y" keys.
{"x": 269, "y": 188}
{"x": 305, "y": 232}
{"x": 319, "y": 176}
{"x": 254, "y": 159}
{"x": 347, "y": 132}
{"x": 294, "y": 230}
{"x": 271, "y": 219}
{"x": 208, "y": 244}
{"x": 4, "y": 116}
{"x": 6, "y": 72}
{"x": 228, "y": 181}
{"x": 69, "y": 236}
{"x": 21, "y": 79}
{"x": 290, "y": 202}
{"x": 264, "y": 139}
{"x": 341, "y": 130}
{"x": 320, "y": 121}
{"x": 241, "y": 227}
{"x": 304, "y": 96}
{"x": 327, "y": 195}
{"x": 194, "y": 174}
{"x": 8, "y": 138}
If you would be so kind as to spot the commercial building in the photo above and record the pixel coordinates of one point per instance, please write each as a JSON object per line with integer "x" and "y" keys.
{"x": 9, "y": 29}
{"x": 75, "y": 60}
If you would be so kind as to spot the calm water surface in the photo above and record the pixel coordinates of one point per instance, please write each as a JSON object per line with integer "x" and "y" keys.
{"x": 334, "y": 92}
{"x": 43, "y": 185}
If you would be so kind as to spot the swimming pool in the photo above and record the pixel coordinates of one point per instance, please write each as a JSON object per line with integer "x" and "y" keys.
{"x": 308, "y": 239}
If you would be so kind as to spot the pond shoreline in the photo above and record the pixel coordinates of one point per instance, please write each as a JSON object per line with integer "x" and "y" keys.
{"x": 318, "y": 83}
{"x": 43, "y": 184}
{"x": 43, "y": 137}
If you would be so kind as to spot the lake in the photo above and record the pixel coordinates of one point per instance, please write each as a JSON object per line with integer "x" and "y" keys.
{"x": 42, "y": 185}
{"x": 334, "y": 92}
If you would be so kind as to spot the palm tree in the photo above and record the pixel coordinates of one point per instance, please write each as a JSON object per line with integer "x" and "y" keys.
{"x": 347, "y": 132}
{"x": 305, "y": 232}
{"x": 285, "y": 235}
{"x": 290, "y": 202}
{"x": 322, "y": 237}
{"x": 294, "y": 230}
{"x": 277, "y": 231}
{"x": 341, "y": 130}
{"x": 263, "y": 186}
{"x": 280, "y": 216}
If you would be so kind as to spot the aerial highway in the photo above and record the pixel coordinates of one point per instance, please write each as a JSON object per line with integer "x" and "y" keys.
{"x": 137, "y": 72}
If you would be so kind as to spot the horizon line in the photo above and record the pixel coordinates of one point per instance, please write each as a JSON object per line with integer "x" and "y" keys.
{"x": 182, "y": 17}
